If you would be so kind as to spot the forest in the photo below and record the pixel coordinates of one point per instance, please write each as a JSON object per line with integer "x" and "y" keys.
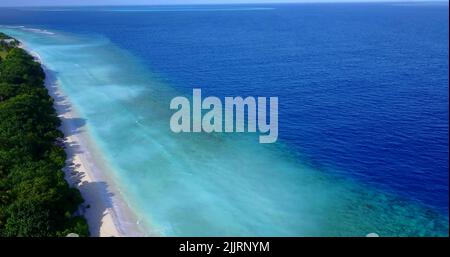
{"x": 35, "y": 198}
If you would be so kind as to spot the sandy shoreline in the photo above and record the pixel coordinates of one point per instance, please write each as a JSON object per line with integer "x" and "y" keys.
{"x": 106, "y": 212}
{"x": 79, "y": 173}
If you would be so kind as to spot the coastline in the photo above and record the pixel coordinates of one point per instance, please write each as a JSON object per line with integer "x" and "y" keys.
{"x": 379, "y": 210}
{"x": 106, "y": 212}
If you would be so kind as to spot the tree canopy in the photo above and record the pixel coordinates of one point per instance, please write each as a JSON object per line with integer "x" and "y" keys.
{"x": 35, "y": 199}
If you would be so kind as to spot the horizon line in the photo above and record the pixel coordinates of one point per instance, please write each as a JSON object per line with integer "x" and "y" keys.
{"x": 233, "y": 3}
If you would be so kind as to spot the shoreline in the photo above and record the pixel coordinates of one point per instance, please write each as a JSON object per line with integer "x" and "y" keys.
{"x": 104, "y": 208}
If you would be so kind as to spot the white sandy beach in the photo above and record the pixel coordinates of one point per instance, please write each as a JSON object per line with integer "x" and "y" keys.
{"x": 104, "y": 208}
{"x": 78, "y": 171}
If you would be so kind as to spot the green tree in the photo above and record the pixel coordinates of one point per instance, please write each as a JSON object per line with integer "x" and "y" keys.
{"x": 35, "y": 199}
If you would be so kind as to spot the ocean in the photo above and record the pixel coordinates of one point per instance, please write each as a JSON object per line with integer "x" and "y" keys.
{"x": 363, "y": 112}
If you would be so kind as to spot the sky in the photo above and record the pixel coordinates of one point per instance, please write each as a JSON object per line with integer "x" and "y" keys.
{"x": 159, "y": 2}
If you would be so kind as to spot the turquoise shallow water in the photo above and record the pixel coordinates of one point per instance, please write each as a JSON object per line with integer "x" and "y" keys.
{"x": 200, "y": 184}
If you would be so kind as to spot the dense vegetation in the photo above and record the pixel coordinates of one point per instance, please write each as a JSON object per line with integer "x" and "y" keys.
{"x": 35, "y": 199}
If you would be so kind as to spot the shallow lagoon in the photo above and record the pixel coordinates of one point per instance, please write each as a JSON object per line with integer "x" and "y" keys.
{"x": 217, "y": 184}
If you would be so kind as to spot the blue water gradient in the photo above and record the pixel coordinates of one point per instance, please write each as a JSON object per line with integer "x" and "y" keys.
{"x": 363, "y": 94}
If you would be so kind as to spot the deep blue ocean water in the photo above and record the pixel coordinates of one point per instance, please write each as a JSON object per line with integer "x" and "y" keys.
{"x": 363, "y": 88}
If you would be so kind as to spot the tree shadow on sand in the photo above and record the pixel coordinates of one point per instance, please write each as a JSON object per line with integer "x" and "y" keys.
{"x": 95, "y": 212}
{"x": 96, "y": 194}
{"x": 98, "y": 199}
